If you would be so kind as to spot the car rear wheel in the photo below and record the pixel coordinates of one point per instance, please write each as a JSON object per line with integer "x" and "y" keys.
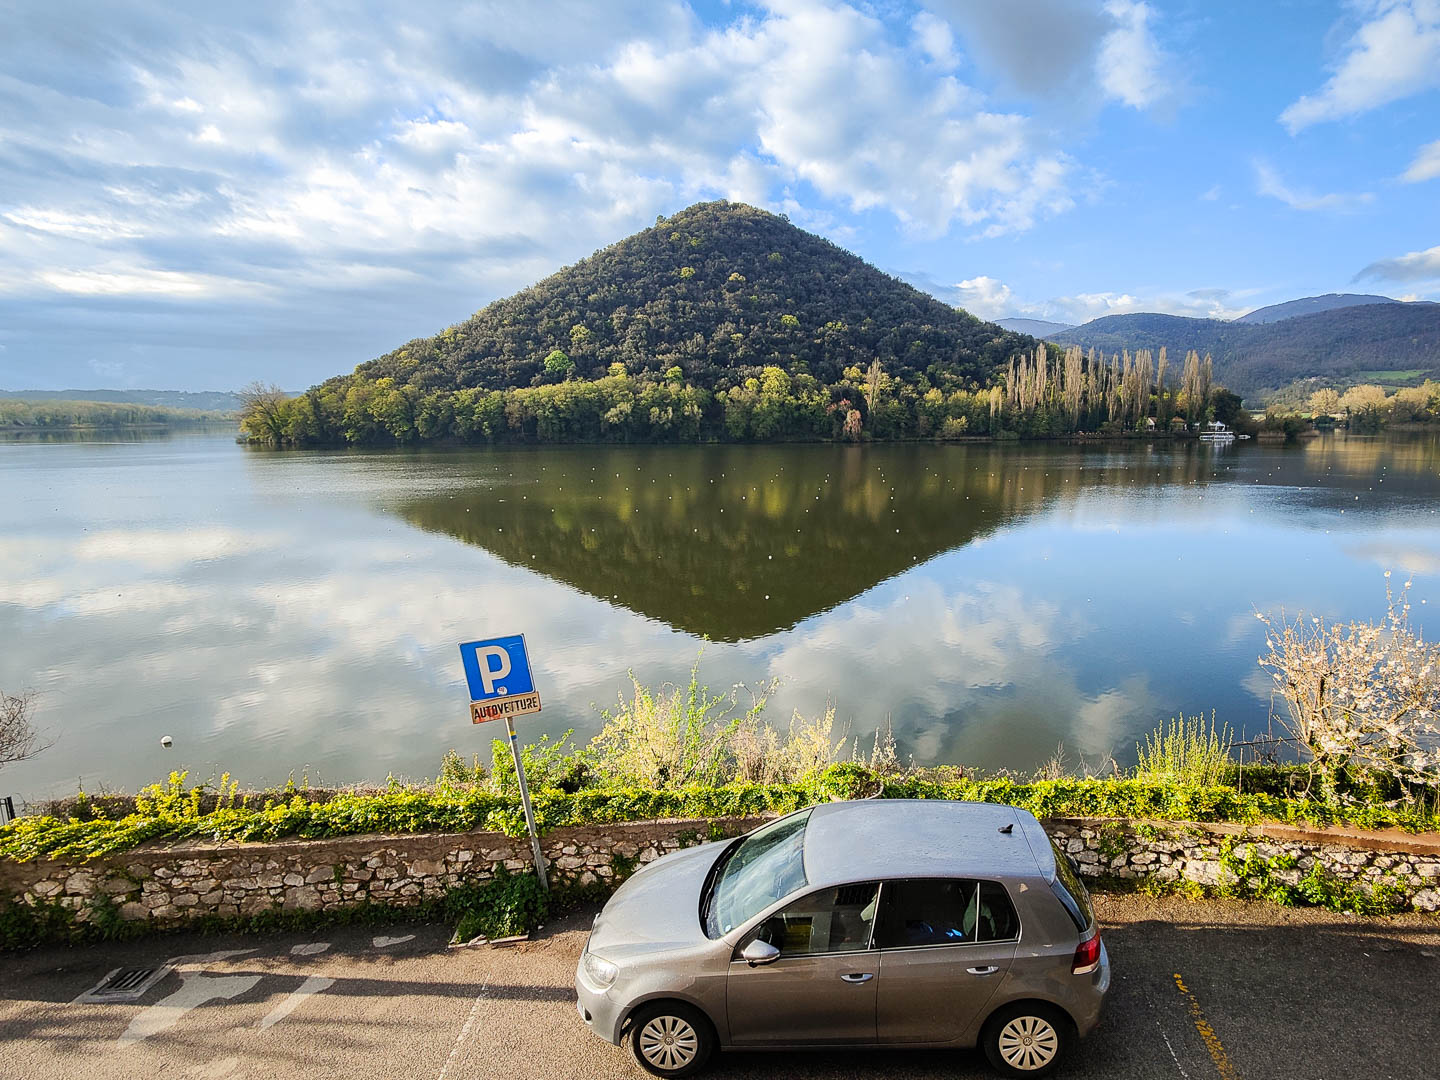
{"x": 671, "y": 1039}
{"x": 1028, "y": 1039}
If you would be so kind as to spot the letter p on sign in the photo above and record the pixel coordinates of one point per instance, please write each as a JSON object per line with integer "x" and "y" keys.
{"x": 497, "y": 668}
{"x": 494, "y": 664}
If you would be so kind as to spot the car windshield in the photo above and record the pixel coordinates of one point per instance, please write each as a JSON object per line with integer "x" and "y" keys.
{"x": 766, "y": 866}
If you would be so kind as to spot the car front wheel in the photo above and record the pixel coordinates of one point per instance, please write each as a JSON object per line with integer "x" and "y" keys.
{"x": 671, "y": 1039}
{"x": 1028, "y": 1039}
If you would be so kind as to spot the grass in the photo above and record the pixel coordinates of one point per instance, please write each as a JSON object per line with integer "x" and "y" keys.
{"x": 1393, "y": 377}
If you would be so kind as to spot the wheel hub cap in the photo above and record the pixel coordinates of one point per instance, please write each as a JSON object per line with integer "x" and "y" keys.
{"x": 1028, "y": 1043}
{"x": 668, "y": 1042}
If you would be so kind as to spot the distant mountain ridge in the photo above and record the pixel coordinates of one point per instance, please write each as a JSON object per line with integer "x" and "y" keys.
{"x": 1349, "y": 343}
{"x": 1312, "y": 305}
{"x": 1038, "y": 328}
{"x": 201, "y": 400}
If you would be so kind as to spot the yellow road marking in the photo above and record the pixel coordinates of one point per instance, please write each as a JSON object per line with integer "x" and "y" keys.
{"x": 1207, "y": 1034}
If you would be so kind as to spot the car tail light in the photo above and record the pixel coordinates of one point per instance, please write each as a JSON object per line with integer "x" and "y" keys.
{"x": 1087, "y": 956}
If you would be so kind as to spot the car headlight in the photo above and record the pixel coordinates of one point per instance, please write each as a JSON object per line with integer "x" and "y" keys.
{"x": 601, "y": 972}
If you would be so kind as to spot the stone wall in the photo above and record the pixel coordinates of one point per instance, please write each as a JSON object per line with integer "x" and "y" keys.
{"x": 168, "y": 885}
{"x": 171, "y": 884}
{"x": 1171, "y": 851}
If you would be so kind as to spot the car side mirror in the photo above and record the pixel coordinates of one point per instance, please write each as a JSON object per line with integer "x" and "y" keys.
{"x": 759, "y": 952}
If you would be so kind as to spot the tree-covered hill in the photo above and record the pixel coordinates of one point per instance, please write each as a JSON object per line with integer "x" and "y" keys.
{"x": 727, "y": 323}
{"x": 719, "y": 290}
{"x": 1342, "y": 345}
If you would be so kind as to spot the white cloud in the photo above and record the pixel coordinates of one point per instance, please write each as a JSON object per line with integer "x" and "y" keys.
{"x": 986, "y": 297}
{"x": 1416, "y": 266}
{"x": 435, "y": 163}
{"x": 990, "y": 298}
{"x": 1130, "y": 66}
{"x": 935, "y": 40}
{"x": 1426, "y": 165}
{"x": 1195, "y": 304}
{"x": 1398, "y": 553}
{"x": 1395, "y": 53}
{"x": 165, "y": 549}
{"x": 81, "y": 226}
{"x": 135, "y": 281}
{"x": 1269, "y": 182}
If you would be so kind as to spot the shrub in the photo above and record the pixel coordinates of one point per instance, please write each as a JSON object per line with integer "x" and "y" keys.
{"x": 674, "y": 736}
{"x": 1187, "y": 751}
{"x": 416, "y": 810}
{"x": 557, "y": 764}
{"x": 505, "y": 906}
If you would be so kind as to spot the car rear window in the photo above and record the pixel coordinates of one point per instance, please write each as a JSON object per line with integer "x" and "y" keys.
{"x": 1071, "y": 890}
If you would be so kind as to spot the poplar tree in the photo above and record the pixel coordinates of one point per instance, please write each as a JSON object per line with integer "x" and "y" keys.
{"x": 1162, "y": 406}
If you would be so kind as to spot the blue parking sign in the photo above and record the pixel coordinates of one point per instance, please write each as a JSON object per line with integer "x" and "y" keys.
{"x": 497, "y": 668}
{"x": 502, "y": 688}
{"x": 498, "y": 673}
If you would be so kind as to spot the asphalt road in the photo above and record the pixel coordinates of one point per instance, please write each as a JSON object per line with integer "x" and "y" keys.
{"x": 1202, "y": 990}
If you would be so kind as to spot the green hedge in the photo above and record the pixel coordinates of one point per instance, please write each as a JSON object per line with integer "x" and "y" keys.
{"x": 420, "y": 811}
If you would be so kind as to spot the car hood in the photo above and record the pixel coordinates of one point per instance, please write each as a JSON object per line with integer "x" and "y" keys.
{"x": 658, "y": 908}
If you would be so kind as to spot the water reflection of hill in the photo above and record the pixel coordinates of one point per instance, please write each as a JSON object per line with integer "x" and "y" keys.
{"x": 738, "y": 542}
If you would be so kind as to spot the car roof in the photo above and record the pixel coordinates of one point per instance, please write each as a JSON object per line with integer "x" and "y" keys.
{"x": 871, "y": 839}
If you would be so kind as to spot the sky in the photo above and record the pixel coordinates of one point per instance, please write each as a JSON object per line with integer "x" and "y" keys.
{"x": 198, "y": 196}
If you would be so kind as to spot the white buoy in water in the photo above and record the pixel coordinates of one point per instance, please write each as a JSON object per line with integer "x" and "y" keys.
{"x": 166, "y": 741}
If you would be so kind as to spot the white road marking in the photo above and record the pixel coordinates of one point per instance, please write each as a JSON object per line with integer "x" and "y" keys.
{"x": 314, "y": 948}
{"x": 196, "y": 988}
{"x": 312, "y": 985}
{"x": 1173, "y": 1056}
{"x": 383, "y": 942}
{"x": 464, "y": 1032}
{"x": 194, "y": 991}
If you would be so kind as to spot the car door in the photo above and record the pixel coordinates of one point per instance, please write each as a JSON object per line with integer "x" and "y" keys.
{"x": 821, "y": 988}
{"x": 945, "y": 945}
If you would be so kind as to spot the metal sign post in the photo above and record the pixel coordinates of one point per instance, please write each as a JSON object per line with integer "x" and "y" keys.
{"x": 525, "y": 805}
{"x": 501, "y": 687}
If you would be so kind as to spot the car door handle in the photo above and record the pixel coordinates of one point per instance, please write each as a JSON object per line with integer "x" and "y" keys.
{"x": 858, "y": 976}
{"x": 983, "y": 970}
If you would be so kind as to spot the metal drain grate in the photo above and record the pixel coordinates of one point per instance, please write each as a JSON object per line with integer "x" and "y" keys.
{"x": 127, "y": 980}
{"x": 125, "y": 984}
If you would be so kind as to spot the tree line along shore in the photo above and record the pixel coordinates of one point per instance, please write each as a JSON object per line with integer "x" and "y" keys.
{"x": 19, "y": 415}
{"x": 1047, "y": 393}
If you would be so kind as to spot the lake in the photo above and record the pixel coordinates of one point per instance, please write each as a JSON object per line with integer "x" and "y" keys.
{"x": 280, "y": 613}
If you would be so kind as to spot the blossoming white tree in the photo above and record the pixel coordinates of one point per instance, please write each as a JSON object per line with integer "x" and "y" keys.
{"x": 1363, "y": 694}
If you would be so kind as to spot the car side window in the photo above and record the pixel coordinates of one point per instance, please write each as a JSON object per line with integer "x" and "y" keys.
{"x": 835, "y": 920}
{"x": 998, "y": 921}
{"x": 944, "y": 911}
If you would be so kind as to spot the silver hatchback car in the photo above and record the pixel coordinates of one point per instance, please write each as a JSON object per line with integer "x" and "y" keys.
{"x": 878, "y": 923}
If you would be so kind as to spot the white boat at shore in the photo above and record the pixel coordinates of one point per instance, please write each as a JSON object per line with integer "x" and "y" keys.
{"x": 1216, "y": 432}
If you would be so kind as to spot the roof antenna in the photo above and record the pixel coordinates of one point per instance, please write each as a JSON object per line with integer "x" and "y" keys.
{"x": 1007, "y": 829}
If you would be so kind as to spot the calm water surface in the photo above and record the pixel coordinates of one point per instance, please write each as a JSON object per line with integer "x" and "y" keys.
{"x": 292, "y": 612}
